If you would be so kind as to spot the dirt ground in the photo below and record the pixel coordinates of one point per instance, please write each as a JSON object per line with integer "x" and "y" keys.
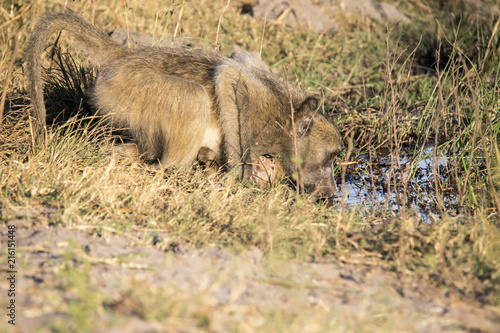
{"x": 210, "y": 289}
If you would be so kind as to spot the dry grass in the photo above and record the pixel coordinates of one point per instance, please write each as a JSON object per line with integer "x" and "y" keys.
{"x": 376, "y": 87}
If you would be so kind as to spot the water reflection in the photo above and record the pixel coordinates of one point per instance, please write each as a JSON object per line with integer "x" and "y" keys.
{"x": 417, "y": 181}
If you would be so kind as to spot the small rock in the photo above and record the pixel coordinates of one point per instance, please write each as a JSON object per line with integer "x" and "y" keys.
{"x": 293, "y": 13}
{"x": 374, "y": 9}
{"x": 123, "y": 36}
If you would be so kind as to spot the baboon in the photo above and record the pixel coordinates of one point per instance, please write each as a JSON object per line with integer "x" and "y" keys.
{"x": 174, "y": 101}
{"x": 266, "y": 170}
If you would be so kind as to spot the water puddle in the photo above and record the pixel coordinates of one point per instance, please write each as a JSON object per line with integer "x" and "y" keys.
{"x": 416, "y": 181}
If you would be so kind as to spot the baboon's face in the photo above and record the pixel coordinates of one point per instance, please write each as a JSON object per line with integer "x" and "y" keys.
{"x": 318, "y": 142}
{"x": 266, "y": 170}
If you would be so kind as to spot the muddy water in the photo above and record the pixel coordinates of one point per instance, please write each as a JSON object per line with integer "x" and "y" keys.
{"x": 417, "y": 181}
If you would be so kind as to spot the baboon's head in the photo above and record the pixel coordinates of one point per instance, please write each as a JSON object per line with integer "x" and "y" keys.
{"x": 266, "y": 170}
{"x": 318, "y": 141}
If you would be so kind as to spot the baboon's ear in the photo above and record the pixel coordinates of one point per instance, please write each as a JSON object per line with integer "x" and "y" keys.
{"x": 305, "y": 125}
{"x": 311, "y": 103}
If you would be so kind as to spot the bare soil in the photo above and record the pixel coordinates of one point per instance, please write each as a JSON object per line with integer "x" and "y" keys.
{"x": 211, "y": 289}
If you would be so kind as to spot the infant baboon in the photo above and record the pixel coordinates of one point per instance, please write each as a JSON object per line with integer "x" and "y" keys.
{"x": 266, "y": 169}
{"x": 174, "y": 101}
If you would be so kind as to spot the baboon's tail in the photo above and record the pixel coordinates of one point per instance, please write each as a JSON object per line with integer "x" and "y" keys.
{"x": 96, "y": 43}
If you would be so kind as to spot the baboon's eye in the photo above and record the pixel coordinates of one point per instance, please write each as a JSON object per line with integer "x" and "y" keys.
{"x": 330, "y": 158}
{"x": 268, "y": 156}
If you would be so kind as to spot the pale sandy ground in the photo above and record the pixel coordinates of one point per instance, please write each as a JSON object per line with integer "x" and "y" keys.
{"x": 245, "y": 292}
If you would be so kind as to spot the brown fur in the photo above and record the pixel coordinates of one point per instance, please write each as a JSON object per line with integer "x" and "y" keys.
{"x": 207, "y": 159}
{"x": 175, "y": 101}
